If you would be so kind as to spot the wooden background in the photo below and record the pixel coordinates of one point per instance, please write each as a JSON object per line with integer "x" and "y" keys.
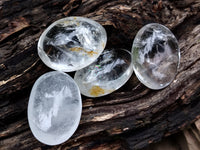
{"x": 130, "y": 118}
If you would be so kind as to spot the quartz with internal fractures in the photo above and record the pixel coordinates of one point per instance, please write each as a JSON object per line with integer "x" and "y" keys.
{"x": 54, "y": 108}
{"x": 156, "y": 56}
{"x": 71, "y": 43}
{"x": 108, "y": 73}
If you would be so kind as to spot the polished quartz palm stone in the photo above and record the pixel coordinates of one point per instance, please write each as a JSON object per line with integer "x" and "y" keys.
{"x": 54, "y": 108}
{"x": 156, "y": 56}
{"x": 71, "y": 43}
{"x": 108, "y": 73}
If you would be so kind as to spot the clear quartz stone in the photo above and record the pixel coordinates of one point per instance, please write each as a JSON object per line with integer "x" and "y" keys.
{"x": 108, "y": 73}
{"x": 71, "y": 43}
{"x": 54, "y": 108}
{"x": 156, "y": 56}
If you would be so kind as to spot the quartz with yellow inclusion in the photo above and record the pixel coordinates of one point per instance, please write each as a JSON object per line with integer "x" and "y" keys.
{"x": 79, "y": 49}
{"x": 108, "y": 73}
{"x": 71, "y": 43}
{"x": 96, "y": 91}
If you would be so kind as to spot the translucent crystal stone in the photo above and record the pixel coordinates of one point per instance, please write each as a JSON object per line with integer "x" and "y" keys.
{"x": 156, "y": 56}
{"x": 108, "y": 73}
{"x": 71, "y": 43}
{"x": 54, "y": 108}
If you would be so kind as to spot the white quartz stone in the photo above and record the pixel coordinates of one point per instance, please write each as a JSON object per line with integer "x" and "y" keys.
{"x": 156, "y": 56}
{"x": 71, "y": 43}
{"x": 108, "y": 73}
{"x": 54, "y": 108}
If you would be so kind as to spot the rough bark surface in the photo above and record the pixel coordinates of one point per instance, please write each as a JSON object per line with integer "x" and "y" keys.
{"x": 188, "y": 139}
{"x": 130, "y": 118}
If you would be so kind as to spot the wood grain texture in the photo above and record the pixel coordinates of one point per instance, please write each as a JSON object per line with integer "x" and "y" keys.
{"x": 188, "y": 139}
{"x": 130, "y": 118}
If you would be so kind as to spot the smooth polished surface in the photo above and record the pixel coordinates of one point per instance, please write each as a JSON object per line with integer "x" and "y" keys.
{"x": 108, "y": 73}
{"x": 71, "y": 43}
{"x": 156, "y": 56}
{"x": 54, "y": 108}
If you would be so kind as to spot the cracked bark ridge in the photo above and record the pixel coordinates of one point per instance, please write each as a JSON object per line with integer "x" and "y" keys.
{"x": 130, "y": 118}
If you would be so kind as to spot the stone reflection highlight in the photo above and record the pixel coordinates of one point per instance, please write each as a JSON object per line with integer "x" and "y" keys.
{"x": 71, "y": 43}
{"x": 108, "y": 73}
{"x": 54, "y": 108}
{"x": 156, "y": 56}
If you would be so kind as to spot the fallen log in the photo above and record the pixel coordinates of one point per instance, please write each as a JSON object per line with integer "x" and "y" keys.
{"x": 130, "y": 118}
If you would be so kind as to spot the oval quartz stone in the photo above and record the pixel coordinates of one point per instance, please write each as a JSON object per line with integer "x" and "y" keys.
{"x": 156, "y": 56}
{"x": 108, "y": 73}
{"x": 54, "y": 108}
{"x": 71, "y": 43}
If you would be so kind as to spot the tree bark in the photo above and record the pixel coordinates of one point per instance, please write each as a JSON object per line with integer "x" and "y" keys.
{"x": 188, "y": 139}
{"x": 130, "y": 118}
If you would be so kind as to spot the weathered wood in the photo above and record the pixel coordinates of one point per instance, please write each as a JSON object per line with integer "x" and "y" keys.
{"x": 130, "y": 118}
{"x": 188, "y": 139}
